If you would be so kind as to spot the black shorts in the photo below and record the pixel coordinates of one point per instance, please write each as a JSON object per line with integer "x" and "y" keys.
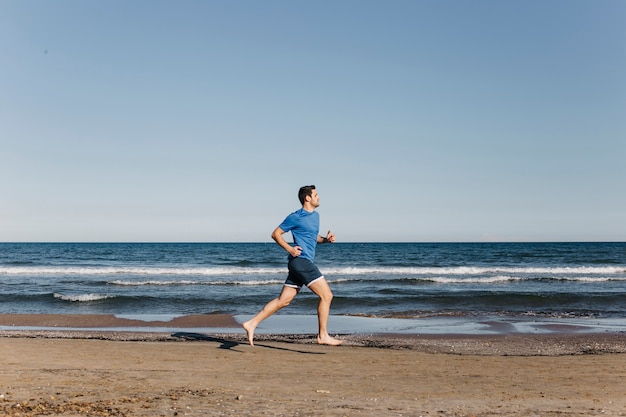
{"x": 302, "y": 272}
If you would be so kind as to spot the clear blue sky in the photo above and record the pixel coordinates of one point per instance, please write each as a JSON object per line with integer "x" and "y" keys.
{"x": 417, "y": 120}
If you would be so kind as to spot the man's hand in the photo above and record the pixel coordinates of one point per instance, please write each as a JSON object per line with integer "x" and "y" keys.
{"x": 295, "y": 251}
{"x": 330, "y": 237}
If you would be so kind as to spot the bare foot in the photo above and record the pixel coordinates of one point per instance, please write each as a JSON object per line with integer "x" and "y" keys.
{"x": 249, "y": 328}
{"x": 328, "y": 340}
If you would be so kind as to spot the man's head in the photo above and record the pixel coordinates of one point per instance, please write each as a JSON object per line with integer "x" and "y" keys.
{"x": 306, "y": 191}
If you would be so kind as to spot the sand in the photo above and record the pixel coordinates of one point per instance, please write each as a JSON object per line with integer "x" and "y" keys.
{"x": 110, "y": 373}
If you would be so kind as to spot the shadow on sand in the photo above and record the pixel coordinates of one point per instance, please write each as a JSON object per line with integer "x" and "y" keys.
{"x": 229, "y": 344}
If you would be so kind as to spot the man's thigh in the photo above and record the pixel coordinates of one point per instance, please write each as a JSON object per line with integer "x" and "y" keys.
{"x": 321, "y": 288}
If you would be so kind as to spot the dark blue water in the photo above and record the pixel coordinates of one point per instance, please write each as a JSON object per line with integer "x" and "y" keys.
{"x": 369, "y": 279}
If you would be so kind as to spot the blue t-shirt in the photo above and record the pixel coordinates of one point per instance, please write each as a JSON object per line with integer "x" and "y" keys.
{"x": 304, "y": 227}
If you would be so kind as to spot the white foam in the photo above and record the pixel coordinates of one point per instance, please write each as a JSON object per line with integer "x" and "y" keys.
{"x": 188, "y": 282}
{"x": 82, "y": 297}
{"x": 475, "y": 270}
{"x": 477, "y": 280}
{"x": 138, "y": 271}
{"x": 336, "y": 271}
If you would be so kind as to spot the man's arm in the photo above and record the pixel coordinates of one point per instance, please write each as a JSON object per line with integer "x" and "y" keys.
{"x": 277, "y": 235}
{"x": 330, "y": 238}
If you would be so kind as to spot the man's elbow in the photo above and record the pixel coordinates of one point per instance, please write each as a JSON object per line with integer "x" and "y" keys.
{"x": 276, "y": 234}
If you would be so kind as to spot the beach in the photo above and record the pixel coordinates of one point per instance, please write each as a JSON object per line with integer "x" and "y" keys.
{"x": 112, "y": 372}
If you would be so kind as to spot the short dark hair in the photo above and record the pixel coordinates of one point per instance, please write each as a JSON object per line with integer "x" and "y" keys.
{"x": 307, "y": 190}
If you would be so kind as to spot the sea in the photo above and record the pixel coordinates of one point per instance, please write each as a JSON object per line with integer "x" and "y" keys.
{"x": 564, "y": 281}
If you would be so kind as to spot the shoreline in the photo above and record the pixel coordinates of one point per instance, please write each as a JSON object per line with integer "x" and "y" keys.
{"x": 297, "y": 323}
{"x": 499, "y": 339}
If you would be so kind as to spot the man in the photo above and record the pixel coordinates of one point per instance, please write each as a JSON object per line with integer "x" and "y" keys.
{"x": 304, "y": 227}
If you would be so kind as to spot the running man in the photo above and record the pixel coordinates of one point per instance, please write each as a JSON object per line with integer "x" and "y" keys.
{"x": 304, "y": 227}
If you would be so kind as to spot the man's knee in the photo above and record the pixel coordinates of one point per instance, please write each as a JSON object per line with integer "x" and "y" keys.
{"x": 284, "y": 302}
{"x": 322, "y": 290}
{"x": 286, "y": 297}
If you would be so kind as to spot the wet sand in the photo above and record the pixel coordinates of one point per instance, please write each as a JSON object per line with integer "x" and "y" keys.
{"x": 126, "y": 373}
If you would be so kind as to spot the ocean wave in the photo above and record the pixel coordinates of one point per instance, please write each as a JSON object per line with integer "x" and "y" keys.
{"x": 474, "y": 280}
{"x": 328, "y": 270}
{"x": 200, "y": 271}
{"x": 507, "y": 278}
{"x": 477, "y": 279}
{"x": 82, "y": 297}
{"x": 188, "y": 282}
{"x": 477, "y": 270}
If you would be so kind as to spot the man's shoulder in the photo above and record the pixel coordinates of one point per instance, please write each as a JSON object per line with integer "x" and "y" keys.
{"x": 301, "y": 212}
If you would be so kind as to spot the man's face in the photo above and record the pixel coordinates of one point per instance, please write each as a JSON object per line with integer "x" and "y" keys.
{"x": 315, "y": 199}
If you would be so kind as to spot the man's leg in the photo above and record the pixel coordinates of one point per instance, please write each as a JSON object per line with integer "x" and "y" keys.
{"x": 321, "y": 288}
{"x": 283, "y": 300}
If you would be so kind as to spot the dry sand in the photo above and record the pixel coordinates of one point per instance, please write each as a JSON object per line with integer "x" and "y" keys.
{"x": 109, "y": 373}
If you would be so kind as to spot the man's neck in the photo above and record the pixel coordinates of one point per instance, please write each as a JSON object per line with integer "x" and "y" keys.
{"x": 308, "y": 207}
